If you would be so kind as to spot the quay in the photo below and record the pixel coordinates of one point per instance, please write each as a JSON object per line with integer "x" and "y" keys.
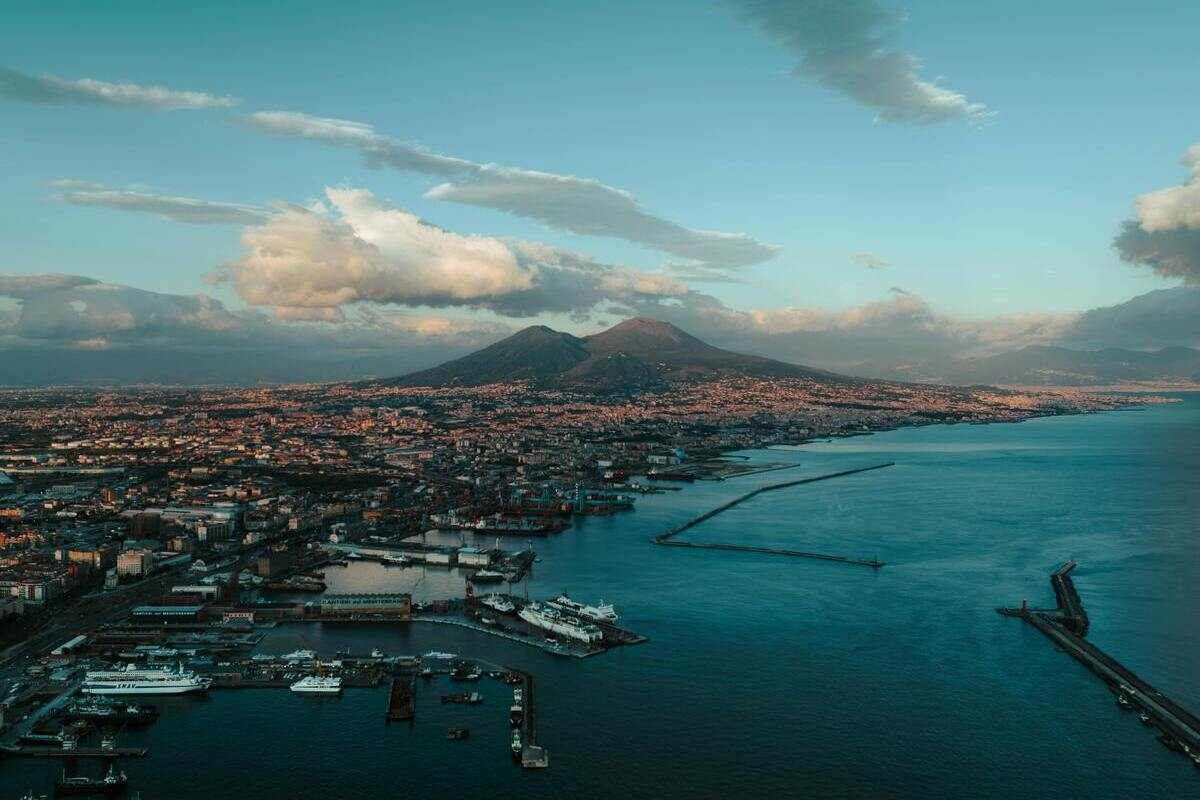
{"x": 667, "y": 538}
{"x": 1066, "y": 626}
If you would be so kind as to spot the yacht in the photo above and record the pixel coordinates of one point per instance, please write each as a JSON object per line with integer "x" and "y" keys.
{"x": 317, "y": 684}
{"x": 498, "y": 603}
{"x": 132, "y": 680}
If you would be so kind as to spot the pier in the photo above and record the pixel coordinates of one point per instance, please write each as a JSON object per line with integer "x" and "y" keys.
{"x": 667, "y": 538}
{"x": 1066, "y": 626}
{"x": 77, "y": 752}
{"x": 401, "y": 697}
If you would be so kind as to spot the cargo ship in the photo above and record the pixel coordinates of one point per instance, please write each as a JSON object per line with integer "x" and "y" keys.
{"x": 550, "y": 619}
{"x": 132, "y": 680}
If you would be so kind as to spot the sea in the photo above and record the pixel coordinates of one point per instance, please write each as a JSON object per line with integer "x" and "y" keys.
{"x": 770, "y": 676}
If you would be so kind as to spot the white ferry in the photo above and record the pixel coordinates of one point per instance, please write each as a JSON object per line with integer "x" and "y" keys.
{"x": 498, "y": 603}
{"x": 549, "y": 619}
{"x": 299, "y": 655}
{"x": 132, "y": 680}
{"x": 601, "y": 612}
{"x": 317, "y": 684}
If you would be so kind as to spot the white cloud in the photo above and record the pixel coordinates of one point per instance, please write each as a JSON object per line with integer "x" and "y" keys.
{"x": 50, "y": 90}
{"x": 849, "y": 46}
{"x": 1174, "y": 207}
{"x": 371, "y": 252}
{"x": 564, "y": 202}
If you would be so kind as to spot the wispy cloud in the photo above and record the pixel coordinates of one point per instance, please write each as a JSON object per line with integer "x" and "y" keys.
{"x": 188, "y": 210}
{"x": 51, "y": 90}
{"x": 565, "y": 202}
{"x": 869, "y": 260}
{"x": 850, "y": 46}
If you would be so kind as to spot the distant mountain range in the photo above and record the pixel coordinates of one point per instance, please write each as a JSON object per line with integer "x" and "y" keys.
{"x": 1056, "y": 366}
{"x": 635, "y": 354}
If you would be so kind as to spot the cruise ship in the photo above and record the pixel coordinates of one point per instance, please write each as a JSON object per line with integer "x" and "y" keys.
{"x": 498, "y": 603}
{"x": 132, "y": 680}
{"x": 317, "y": 684}
{"x": 601, "y": 612}
{"x": 550, "y": 619}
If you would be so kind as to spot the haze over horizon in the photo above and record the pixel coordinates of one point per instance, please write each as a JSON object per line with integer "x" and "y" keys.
{"x": 866, "y": 187}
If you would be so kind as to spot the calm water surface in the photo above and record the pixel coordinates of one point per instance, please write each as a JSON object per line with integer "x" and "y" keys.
{"x": 772, "y": 676}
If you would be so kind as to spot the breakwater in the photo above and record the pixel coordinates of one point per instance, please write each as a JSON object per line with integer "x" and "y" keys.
{"x": 1066, "y": 626}
{"x": 667, "y": 538}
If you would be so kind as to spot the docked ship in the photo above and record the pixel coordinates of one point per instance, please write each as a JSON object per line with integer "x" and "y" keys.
{"x": 113, "y": 782}
{"x": 550, "y": 619}
{"x": 132, "y": 680}
{"x": 317, "y": 684}
{"x": 498, "y": 603}
{"x": 601, "y": 612}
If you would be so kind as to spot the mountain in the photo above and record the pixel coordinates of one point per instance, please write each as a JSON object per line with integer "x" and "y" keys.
{"x": 1040, "y": 365}
{"x": 637, "y": 353}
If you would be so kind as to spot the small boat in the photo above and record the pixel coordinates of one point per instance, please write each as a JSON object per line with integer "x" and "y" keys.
{"x": 458, "y": 734}
{"x": 113, "y": 782}
{"x": 513, "y": 678}
{"x": 1145, "y": 718}
{"x": 516, "y": 715}
{"x": 466, "y": 672}
{"x": 1123, "y": 703}
{"x": 377, "y": 653}
{"x": 486, "y": 576}
{"x": 518, "y": 695}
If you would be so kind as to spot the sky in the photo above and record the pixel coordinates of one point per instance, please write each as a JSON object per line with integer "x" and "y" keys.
{"x": 831, "y": 182}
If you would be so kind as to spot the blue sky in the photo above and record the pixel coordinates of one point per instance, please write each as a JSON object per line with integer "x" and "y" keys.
{"x": 690, "y": 107}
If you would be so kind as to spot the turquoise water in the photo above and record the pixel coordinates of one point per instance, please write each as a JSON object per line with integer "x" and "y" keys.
{"x": 773, "y": 676}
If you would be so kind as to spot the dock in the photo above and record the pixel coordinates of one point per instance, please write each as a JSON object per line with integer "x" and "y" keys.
{"x": 1066, "y": 626}
{"x": 533, "y": 755}
{"x": 401, "y": 699}
{"x": 667, "y": 538}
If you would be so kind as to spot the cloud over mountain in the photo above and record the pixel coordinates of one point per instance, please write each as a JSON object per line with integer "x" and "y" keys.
{"x": 51, "y": 90}
{"x": 1165, "y": 233}
{"x": 564, "y": 202}
{"x": 371, "y": 252}
{"x": 849, "y": 46}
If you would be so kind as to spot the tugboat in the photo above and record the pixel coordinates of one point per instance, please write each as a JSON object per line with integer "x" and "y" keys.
{"x": 113, "y": 782}
{"x": 515, "y": 746}
{"x": 458, "y": 734}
